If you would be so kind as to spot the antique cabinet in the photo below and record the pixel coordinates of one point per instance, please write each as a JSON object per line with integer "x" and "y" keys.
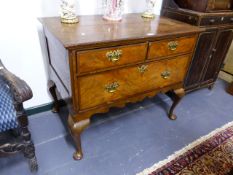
{"x": 97, "y": 64}
{"x": 212, "y": 46}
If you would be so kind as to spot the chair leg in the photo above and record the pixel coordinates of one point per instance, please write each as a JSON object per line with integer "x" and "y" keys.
{"x": 29, "y": 153}
{"x": 29, "y": 149}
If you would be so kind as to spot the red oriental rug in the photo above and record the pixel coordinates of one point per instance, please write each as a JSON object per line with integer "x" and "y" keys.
{"x": 209, "y": 155}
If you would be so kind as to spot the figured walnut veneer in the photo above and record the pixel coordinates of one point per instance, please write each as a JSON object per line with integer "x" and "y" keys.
{"x": 97, "y": 64}
{"x": 97, "y": 59}
{"x": 162, "y": 48}
{"x": 131, "y": 81}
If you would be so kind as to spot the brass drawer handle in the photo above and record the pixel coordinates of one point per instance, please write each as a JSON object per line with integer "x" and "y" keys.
{"x": 173, "y": 45}
{"x": 142, "y": 69}
{"x": 166, "y": 74}
{"x": 114, "y": 55}
{"x": 111, "y": 88}
{"x": 212, "y": 21}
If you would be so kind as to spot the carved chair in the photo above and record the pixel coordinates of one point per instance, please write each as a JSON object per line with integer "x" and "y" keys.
{"x": 14, "y": 134}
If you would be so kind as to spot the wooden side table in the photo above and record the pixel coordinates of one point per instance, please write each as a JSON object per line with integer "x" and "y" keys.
{"x": 98, "y": 64}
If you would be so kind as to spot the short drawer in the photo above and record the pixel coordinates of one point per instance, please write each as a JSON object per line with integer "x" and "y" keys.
{"x": 171, "y": 47}
{"x": 187, "y": 18}
{"x": 229, "y": 19}
{"x": 95, "y": 60}
{"x": 107, "y": 87}
{"x": 212, "y": 21}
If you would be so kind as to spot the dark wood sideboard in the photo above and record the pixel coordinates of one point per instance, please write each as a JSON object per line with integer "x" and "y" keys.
{"x": 213, "y": 43}
{"x": 97, "y": 64}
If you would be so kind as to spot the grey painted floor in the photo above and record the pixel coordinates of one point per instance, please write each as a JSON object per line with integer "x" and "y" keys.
{"x": 124, "y": 141}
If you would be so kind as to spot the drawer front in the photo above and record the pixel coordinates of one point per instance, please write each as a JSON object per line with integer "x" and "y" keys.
{"x": 187, "y": 18}
{"x": 229, "y": 19}
{"x": 220, "y": 20}
{"x": 215, "y": 5}
{"x": 107, "y": 87}
{"x": 209, "y": 21}
{"x": 176, "y": 46}
{"x": 95, "y": 60}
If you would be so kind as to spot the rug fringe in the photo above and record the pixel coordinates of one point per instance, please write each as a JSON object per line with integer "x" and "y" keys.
{"x": 185, "y": 149}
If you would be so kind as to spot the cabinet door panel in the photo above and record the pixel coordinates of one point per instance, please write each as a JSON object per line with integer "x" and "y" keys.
{"x": 228, "y": 66}
{"x": 219, "y": 53}
{"x": 200, "y": 58}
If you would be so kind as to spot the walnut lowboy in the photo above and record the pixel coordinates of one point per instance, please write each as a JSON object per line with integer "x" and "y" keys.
{"x": 100, "y": 64}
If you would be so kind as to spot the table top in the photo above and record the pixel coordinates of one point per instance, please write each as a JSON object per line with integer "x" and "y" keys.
{"x": 94, "y": 30}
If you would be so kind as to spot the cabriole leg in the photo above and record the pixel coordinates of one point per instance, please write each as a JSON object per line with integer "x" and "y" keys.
{"x": 76, "y": 128}
{"x": 176, "y": 96}
{"x": 52, "y": 89}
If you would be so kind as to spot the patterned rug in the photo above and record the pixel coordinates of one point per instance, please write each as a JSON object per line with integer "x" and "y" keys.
{"x": 209, "y": 155}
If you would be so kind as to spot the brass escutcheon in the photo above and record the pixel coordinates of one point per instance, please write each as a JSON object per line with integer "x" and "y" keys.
{"x": 111, "y": 88}
{"x": 114, "y": 55}
{"x": 143, "y": 68}
{"x": 166, "y": 74}
{"x": 173, "y": 45}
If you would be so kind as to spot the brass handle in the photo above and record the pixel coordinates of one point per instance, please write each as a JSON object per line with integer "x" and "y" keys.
{"x": 142, "y": 69}
{"x": 173, "y": 45}
{"x": 114, "y": 55}
{"x": 166, "y": 74}
{"x": 212, "y": 20}
{"x": 111, "y": 88}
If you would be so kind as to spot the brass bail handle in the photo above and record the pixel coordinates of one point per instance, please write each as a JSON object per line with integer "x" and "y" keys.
{"x": 143, "y": 68}
{"x": 166, "y": 74}
{"x": 111, "y": 88}
{"x": 114, "y": 55}
{"x": 173, "y": 45}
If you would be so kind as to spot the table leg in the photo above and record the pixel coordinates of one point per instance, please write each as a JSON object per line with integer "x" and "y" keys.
{"x": 52, "y": 89}
{"x": 176, "y": 96}
{"x": 76, "y": 129}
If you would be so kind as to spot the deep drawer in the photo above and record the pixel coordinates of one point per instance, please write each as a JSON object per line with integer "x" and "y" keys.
{"x": 107, "y": 87}
{"x": 171, "y": 47}
{"x": 95, "y": 60}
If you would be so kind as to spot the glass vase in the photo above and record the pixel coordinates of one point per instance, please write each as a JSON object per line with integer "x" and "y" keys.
{"x": 67, "y": 12}
{"x": 150, "y": 5}
{"x": 113, "y": 10}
